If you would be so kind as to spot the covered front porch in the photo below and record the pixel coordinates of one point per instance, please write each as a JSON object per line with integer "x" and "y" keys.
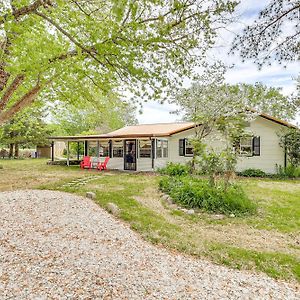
{"x": 134, "y": 154}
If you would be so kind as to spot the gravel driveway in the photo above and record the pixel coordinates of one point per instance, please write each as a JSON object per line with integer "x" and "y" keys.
{"x": 61, "y": 246}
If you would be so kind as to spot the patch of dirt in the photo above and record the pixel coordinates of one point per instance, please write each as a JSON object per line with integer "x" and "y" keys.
{"x": 238, "y": 235}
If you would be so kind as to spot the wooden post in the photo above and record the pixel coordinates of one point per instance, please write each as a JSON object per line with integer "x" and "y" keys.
{"x": 68, "y": 154}
{"x": 77, "y": 150}
{"x": 86, "y": 150}
{"x": 52, "y": 151}
{"x": 98, "y": 148}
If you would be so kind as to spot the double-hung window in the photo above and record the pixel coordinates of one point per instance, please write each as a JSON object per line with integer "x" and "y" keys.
{"x": 186, "y": 147}
{"x": 249, "y": 146}
{"x": 145, "y": 148}
{"x": 161, "y": 148}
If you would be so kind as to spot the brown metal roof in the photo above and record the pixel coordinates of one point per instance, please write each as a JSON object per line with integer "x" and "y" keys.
{"x": 143, "y": 130}
{"x": 153, "y": 130}
{"x": 150, "y": 130}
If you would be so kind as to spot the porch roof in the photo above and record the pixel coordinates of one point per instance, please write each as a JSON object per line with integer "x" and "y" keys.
{"x": 135, "y": 131}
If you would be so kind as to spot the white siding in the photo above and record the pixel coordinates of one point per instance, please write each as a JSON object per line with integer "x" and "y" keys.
{"x": 144, "y": 164}
{"x": 116, "y": 163}
{"x": 270, "y": 151}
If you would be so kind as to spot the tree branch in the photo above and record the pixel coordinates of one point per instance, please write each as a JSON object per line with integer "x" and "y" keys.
{"x": 26, "y": 100}
{"x": 69, "y": 36}
{"x": 11, "y": 89}
{"x": 26, "y": 10}
{"x": 279, "y": 18}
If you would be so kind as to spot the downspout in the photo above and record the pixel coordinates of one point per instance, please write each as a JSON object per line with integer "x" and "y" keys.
{"x": 285, "y": 158}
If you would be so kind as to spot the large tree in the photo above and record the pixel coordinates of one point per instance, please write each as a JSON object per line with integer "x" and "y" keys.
{"x": 55, "y": 47}
{"x": 273, "y": 36}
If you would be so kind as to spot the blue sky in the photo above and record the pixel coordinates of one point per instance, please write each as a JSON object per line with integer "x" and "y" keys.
{"x": 247, "y": 72}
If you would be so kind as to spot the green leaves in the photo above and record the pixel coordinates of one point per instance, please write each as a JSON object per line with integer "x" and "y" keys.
{"x": 115, "y": 45}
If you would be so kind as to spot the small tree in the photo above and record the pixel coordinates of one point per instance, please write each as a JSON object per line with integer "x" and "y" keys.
{"x": 290, "y": 142}
{"x": 26, "y": 129}
{"x": 222, "y": 109}
{"x": 215, "y": 108}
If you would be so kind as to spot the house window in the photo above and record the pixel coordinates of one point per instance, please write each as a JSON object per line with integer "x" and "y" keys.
{"x": 189, "y": 148}
{"x": 185, "y": 147}
{"x": 256, "y": 146}
{"x": 161, "y": 148}
{"x": 144, "y": 148}
{"x": 117, "y": 148}
{"x": 104, "y": 149}
{"x": 250, "y": 146}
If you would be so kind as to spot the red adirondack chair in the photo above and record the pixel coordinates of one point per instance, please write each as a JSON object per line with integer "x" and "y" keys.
{"x": 103, "y": 165}
{"x": 86, "y": 162}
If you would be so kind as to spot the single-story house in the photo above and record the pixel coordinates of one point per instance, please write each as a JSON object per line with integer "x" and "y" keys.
{"x": 148, "y": 147}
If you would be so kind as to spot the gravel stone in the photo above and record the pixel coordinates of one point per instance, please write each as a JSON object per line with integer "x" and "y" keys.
{"x": 218, "y": 217}
{"x": 55, "y": 245}
{"x": 90, "y": 195}
{"x": 113, "y": 209}
{"x": 190, "y": 212}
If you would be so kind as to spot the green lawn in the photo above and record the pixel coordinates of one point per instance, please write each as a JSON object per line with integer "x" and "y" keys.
{"x": 268, "y": 242}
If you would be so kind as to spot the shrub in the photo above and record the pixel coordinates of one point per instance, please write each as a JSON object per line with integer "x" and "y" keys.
{"x": 198, "y": 193}
{"x": 253, "y": 173}
{"x": 288, "y": 172}
{"x": 175, "y": 169}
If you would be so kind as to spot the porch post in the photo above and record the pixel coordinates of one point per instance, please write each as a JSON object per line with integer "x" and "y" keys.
{"x": 98, "y": 148}
{"x": 68, "y": 154}
{"x": 77, "y": 150}
{"x": 153, "y": 152}
{"x": 52, "y": 151}
{"x": 86, "y": 148}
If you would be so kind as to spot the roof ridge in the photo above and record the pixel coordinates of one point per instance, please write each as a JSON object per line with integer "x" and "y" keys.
{"x": 162, "y": 123}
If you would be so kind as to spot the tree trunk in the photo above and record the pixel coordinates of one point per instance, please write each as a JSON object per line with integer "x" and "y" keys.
{"x": 11, "y": 150}
{"x": 16, "y": 150}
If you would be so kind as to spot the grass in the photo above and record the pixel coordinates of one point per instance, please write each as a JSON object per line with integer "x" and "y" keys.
{"x": 267, "y": 242}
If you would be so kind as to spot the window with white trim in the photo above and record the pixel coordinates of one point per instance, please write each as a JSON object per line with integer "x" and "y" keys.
{"x": 144, "y": 148}
{"x": 189, "y": 148}
{"x": 249, "y": 146}
{"x": 185, "y": 147}
{"x": 246, "y": 146}
{"x": 161, "y": 148}
{"x": 118, "y": 148}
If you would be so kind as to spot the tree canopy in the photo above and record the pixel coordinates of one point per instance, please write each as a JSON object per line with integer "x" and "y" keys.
{"x": 97, "y": 118}
{"x": 273, "y": 36}
{"x": 53, "y": 47}
{"x": 211, "y": 98}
